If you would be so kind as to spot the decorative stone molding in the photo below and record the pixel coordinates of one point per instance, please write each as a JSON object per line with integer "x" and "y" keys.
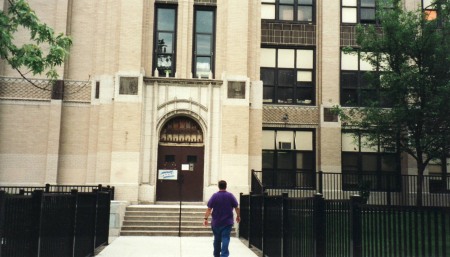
{"x": 290, "y": 116}
{"x": 278, "y": 33}
{"x": 182, "y": 82}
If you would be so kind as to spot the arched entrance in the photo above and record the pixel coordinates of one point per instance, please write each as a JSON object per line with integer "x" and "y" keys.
{"x": 180, "y": 160}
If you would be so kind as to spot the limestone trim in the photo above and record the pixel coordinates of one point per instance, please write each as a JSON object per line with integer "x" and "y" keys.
{"x": 182, "y": 82}
{"x": 189, "y": 101}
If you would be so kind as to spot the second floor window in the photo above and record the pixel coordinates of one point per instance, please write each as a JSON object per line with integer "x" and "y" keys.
{"x": 204, "y": 42}
{"x": 288, "y": 10}
{"x": 360, "y": 82}
{"x": 165, "y": 40}
{"x": 288, "y": 76}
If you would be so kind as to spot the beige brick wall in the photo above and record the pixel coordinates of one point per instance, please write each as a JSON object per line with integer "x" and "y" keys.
{"x": 24, "y": 134}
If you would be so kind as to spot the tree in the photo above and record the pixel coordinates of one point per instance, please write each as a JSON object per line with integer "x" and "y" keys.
{"x": 43, "y": 53}
{"x": 412, "y": 53}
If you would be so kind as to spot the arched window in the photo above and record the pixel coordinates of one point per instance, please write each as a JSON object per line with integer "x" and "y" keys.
{"x": 181, "y": 130}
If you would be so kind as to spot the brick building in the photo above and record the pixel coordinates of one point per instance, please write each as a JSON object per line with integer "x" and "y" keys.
{"x": 198, "y": 89}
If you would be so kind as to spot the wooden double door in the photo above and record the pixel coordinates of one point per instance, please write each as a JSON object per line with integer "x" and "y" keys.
{"x": 187, "y": 163}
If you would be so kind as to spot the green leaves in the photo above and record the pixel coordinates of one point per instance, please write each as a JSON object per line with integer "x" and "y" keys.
{"x": 44, "y": 52}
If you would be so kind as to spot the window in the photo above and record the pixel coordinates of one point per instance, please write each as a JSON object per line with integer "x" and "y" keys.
{"x": 360, "y": 11}
{"x": 165, "y": 40}
{"x": 288, "y": 10}
{"x": 204, "y": 36}
{"x": 288, "y": 76}
{"x": 360, "y": 81}
{"x": 374, "y": 166}
{"x": 288, "y": 158}
{"x": 429, "y": 9}
{"x": 439, "y": 170}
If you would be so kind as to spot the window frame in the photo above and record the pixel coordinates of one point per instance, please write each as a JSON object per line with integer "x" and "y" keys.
{"x": 359, "y": 8}
{"x": 362, "y": 85}
{"x": 174, "y": 40}
{"x": 426, "y": 9}
{"x": 296, "y": 85}
{"x": 195, "y": 41}
{"x": 295, "y": 8}
{"x": 381, "y": 177}
{"x": 282, "y": 177}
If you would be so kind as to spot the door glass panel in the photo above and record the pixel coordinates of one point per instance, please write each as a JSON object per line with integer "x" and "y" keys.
{"x": 169, "y": 158}
{"x": 192, "y": 158}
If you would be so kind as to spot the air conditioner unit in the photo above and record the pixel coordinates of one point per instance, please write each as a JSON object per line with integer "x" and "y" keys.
{"x": 284, "y": 145}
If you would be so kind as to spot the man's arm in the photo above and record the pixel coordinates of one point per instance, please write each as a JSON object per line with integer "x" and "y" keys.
{"x": 238, "y": 214}
{"x": 207, "y": 213}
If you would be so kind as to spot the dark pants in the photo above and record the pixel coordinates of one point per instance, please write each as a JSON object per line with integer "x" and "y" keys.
{"x": 221, "y": 240}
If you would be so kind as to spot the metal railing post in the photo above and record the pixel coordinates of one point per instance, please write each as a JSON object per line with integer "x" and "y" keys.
{"x": 319, "y": 226}
{"x": 284, "y": 228}
{"x": 356, "y": 226}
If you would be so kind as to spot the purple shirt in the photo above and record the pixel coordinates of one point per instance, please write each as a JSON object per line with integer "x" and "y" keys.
{"x": 222, "y": 204}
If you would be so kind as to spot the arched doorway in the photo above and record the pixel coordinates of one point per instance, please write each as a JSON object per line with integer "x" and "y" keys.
{"x": 180, "y": 161}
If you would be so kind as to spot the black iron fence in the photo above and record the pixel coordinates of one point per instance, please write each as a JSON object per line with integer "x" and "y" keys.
{"x": 48, "y": 188}
{"x": 381, "y": 189}
{"x": 314, "y": 227}
{"x": 53, "y": 224}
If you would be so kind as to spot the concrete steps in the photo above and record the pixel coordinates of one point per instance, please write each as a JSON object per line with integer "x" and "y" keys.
{"x": 163, "y": 220}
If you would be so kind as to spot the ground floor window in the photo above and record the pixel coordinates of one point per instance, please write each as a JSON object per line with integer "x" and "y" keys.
{"x": 373, "y": 167}
{"x": 288, "y": 158}
{"x": 439, "y": 171}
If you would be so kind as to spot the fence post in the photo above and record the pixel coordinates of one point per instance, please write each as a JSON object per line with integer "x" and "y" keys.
{"x": 284, "y": 223}
{"x": 263, "y": 219}
{"x": 319, "y": 226}
{"x": 95, "y": 191}
{"x": 249, "y": 226}
{"x": 47, "y": 188}
{"x": 320, "y": 182}
{"x": 356, "y": 226}
{"x": 389, "y": 189}
{"x": 37, "y": 199}
{"x": 2, "y": 219}
{"x": 74, "y": 192}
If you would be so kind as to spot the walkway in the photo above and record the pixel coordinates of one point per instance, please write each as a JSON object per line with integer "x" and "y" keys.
{"x": 130, "y": 246}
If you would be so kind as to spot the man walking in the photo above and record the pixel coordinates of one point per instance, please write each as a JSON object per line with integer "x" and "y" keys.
{"x": 221, "y": 205}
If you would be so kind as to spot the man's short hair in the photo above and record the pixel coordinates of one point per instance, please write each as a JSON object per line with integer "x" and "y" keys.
{"x": 222, "y": 184}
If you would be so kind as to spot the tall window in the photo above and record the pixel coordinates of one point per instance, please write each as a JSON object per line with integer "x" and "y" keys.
{"x": 288, "y": 10}
{"x": 204, "y": 37}
{"x": 165, "y": 40}
{"x": 288, "y": 76}
{"x": 360, "y": 11}
{"x": 366, "y": 165}
{"x": 288, "y": 158}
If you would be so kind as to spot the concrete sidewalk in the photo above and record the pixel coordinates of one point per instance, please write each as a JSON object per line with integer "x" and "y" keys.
{"x": 130, "y": 246}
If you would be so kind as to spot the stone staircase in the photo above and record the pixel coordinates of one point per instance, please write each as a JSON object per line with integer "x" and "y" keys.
{"x": 162, "y": 220}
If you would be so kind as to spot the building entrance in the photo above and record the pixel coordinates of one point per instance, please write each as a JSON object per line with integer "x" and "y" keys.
{"x": 180, "y": 161}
